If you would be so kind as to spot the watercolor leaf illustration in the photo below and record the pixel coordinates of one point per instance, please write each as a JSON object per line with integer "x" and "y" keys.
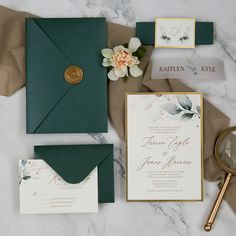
{"x": 172, "y": 109}
{"x": 183, "y": 107}
{"x": 187, "y": 116}
{"x": 26, "y": 177}
{"x": 198, "y": 109}
{"x": 185, "y": 102}
{"x": 23, "y": 172}
{"x": 23, "y": 162}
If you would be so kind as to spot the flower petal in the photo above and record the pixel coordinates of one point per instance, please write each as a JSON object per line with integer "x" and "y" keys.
{"x": 136, "y": 60}
{"x": 112, "y": 76}
{"x": 121, "y": 72}
{"x": 118, "y": 48}
{"x": 134, "y": 44}
{"x": 107, "y": 52}
{"x": 125, "y": 70}
{"x": 135, "y": 71}
{"x": 107, "y": 62}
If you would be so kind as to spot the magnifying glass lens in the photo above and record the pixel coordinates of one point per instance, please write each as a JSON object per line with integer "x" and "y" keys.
{"x": 227, "y": 151}
{"x": 225, "y": 154}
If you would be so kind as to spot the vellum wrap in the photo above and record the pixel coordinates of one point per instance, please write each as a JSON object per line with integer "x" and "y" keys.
{"x": 12, "y": 78}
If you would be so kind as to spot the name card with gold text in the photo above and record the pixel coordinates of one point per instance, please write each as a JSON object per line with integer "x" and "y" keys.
{"x": 164, "y": 146}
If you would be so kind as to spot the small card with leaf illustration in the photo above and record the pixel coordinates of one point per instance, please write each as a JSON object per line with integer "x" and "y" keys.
{"x": 43, "y": 191}
{"x": 164, "y": 133}
{"x": 175, "y": 32}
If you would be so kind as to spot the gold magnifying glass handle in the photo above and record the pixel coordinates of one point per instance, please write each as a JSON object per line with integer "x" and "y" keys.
{"x": 218, "y": 201}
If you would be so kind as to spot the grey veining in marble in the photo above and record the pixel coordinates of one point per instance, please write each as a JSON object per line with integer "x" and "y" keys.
{"x": 121, "y": 218}
{"x": 119, "y": 10}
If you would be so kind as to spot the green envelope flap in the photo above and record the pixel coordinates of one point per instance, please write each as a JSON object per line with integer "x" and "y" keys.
{"x": 64, "y": 33}
{"x": 52, "y": 91}
{"x": 75, "y": 162}
{"x": 53, "y": 105}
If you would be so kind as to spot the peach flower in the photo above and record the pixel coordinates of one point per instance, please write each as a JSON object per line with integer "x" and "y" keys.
{"x": 122, "y": 60}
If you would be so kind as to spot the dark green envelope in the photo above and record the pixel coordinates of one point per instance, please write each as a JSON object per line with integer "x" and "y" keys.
{"x": 74, "y": 163}
{"x": 54, "y": 105}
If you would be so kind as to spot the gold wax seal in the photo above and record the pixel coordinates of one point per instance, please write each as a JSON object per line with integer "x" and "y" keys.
{"x": 73, "y": 74}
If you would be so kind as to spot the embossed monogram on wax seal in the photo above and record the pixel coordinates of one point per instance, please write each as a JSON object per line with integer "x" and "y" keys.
{"x": 73, "y": 74}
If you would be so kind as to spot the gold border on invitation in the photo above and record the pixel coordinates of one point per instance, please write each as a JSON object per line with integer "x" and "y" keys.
{"x": 126, "y": 146}
{"x": 168, "y": 18}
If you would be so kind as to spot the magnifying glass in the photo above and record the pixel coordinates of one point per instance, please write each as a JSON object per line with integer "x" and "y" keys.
{"x": 225, "y": 154}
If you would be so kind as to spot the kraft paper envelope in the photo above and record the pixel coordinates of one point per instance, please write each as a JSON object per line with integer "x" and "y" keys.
{"x": 75, "y": 162}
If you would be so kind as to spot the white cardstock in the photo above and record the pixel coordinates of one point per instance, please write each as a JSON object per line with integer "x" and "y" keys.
{"x": 192, "y": 68}
{"x": 175, "y": 33}
{"x": 44, "y": 191}
{"x": 164, "y": 154}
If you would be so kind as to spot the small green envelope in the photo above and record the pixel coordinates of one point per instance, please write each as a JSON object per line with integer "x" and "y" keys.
{"x": 75, "y": 162}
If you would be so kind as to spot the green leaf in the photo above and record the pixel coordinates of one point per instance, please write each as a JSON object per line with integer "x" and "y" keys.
{"x": 198, "y": 109}
{"x": 186, "y": 116}
{"x": 185, "y": 102}
{"x": 26, "y": 177}
{"x": 140, "y": 53}
{"x": 172, "y": 109}
{"x": 125, "y": 45}
{"x": 24, "y": 162}
{"x": 125, "y": 79}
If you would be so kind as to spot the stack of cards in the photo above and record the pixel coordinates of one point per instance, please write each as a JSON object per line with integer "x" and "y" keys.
{"x": 66, "y": 179}
{"x": 42, "y": 190}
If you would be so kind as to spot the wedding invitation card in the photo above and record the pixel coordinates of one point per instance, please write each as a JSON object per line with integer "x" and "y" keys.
{"x": 164, "y": 146}
{"x": 44, "y": 191}
{"x": 175, "y": 32}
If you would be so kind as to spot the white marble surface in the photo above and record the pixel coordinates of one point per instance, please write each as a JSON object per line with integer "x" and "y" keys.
{"x": 121, "y": 218}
